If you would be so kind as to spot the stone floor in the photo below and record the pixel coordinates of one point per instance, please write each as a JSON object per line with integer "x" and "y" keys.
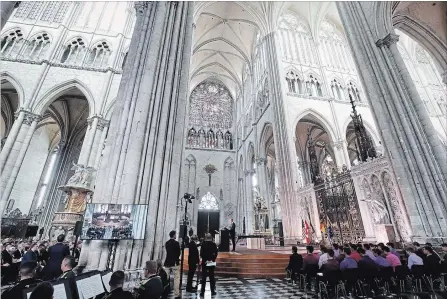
{"x": 240, "y": 288}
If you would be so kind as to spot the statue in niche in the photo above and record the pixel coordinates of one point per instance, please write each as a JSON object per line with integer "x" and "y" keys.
{"x": 76, "y": 201}
{"x": 377, "y": 208}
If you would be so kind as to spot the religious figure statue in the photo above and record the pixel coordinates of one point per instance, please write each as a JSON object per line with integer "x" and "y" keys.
{"x": 82, "y": 175}
{"x": 76, "y": 201}
{"x": 378, "y": 211}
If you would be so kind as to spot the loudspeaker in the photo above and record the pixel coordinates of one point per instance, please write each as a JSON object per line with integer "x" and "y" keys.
{"x": 31, "y": 231}
{"x": 78, "y": 228}
{"x": 281, "y": 234}
{"x": 182, "y": 232}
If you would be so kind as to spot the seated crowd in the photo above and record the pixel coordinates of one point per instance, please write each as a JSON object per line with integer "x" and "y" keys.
{"x": 29, "y": 264}
{"x": 367, "y": 260}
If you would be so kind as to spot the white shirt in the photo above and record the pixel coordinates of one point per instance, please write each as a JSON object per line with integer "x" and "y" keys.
{"x": 323, "y": 260}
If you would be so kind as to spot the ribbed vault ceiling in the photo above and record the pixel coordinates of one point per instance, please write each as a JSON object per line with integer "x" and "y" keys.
{"x": 225, "y": 34}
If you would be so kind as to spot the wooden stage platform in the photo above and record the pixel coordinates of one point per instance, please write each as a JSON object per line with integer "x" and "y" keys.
{"x": 251, "y": 263}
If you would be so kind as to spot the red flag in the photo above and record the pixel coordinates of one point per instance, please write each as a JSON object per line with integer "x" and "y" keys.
{"x": 306, "y": 232}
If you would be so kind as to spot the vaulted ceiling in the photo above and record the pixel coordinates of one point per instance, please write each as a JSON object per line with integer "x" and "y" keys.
{"x": 225, "y": 35}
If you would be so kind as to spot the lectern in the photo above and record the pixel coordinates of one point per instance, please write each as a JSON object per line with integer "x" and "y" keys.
{"x": 224, "y": 245}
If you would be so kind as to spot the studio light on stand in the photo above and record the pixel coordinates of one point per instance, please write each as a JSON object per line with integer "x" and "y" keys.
{"x": 188, "y": 199}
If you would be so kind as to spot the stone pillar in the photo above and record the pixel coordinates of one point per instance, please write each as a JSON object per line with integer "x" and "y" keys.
{"x": 15, "y": 159}
{"x": 88, "y": 140}
{"x": 249, "y": 202}
{"x": 6, "y": 8}
{"x": 143, "y": 153}
{"x": 101, "y": 132}
{"x": 416, "y": 153}
{"x": 11, "y": 139}
{"x": 283, "y": 150}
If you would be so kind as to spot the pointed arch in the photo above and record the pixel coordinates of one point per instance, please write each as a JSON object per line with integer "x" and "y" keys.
{"x": 250, "y": 155}
{"x": 327, "y": 125}
{"x": 4, "y": 75}
{"x": 51, "y": 95}
{"x": 369, "y": 128}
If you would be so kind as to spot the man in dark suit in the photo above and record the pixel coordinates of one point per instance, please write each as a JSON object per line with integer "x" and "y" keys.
{"x": 27, "y": 279}
{"x": 32, "y": 255}
{"x": 208, "y": 253}
{"x": 56, "y": 254}
{"x": 193, "y": 260}
{"x": 233, "y": 233}
{"x": 172, "y": 260}
{"x": 295, "y": 264}
{"x": 152, "y": 286}
{"x": 116, "y": 287}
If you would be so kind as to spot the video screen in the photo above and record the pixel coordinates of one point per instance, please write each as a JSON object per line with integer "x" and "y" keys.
{"x": 114, "y": 222}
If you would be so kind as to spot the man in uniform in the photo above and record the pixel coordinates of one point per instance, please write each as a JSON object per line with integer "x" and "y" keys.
{"x": 172, "y": 260}
{"x": 27, "y": 278}
{"x": 152, "y": 286}
{"x": 116, "y": 287}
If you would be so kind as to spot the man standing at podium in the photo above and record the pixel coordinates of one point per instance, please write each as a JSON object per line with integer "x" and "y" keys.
{"x": 233, "y": 234}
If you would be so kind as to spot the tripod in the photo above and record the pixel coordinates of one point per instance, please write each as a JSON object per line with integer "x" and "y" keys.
{"x": 187, "y": 198}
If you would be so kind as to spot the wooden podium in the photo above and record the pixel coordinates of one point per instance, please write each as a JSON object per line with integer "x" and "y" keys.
{"x": 224, "y": 245}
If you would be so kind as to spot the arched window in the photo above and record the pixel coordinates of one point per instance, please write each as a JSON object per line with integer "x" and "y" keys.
{"x": 294, "y": 83}
{"x": 99, "y": 55}
{"x": 354, "y": 92}
{"x": 295, "y": 39}
{"x": 192, "y": 137}
{"x": 333, "y": 47}
{"x": 211, "y": 110}
{"x": 74, "y": 52}
{"x": 209, "y": 202}
{"x": 12, "y": 42}
{"x": 425, "y": 76}
{"x": 313, "y": 87}
{"x": 337, "y": 90}
{"x": 38, "y": 46}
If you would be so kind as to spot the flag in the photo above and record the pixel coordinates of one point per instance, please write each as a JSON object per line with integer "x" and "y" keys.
{"x": 330, "y": 233}
{"x": 306, "y": 232}
{"x": 322, "y": 228}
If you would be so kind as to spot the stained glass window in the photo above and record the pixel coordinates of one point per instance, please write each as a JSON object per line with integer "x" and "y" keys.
{"x": 211, "y": 106}
{"x": 211, "y": 114}
{"x": 208, "y": 202}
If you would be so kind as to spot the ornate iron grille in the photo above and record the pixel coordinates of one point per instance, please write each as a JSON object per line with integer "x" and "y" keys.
{"x": 339, "y": 209}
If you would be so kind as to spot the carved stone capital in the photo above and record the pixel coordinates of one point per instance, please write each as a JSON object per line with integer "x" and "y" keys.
{"x": 102, "y": 123}
{"x": 338, "y": 144}
{"x": 261, "y": 161}
{"x": 30, "y": 118}
{"x": 240, "y": 179}
{"x": 141, "y": 6}
{"x": 249, "y": 172}
{"x": 388, "y": 40}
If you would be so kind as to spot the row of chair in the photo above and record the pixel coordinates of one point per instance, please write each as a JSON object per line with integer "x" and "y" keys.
{"x": 386, "y": 281}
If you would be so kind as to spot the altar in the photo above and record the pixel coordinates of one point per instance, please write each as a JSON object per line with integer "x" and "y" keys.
{"x": 255, "y": 243}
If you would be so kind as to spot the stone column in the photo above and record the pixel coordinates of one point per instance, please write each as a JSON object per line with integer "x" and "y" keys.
{"x": 11, "y": 139}
{"x": 249, "y": 202}
{"x": 143, "y": 153}
{"x": 88, "y": 141}
{"x": 103, "y": 127}
{"x": 96, "y": 145}
{"x": 15, "y": 159}
{"x": 283, "y": 150}
{"x": 6, "y": 8}
{"x": 415, "y": 153}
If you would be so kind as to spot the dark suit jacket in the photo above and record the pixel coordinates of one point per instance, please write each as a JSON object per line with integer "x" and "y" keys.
{"x": 56, "y": 254}
{"x": 172, "y": 253}
{"x": 295, "y": 263}
{"x": 30, "y": 256}
{"x": 16, "y": 292}
{"x": 208, "y": 251}
{"x": 193, "y": 256}
{"x": 233, "y": 229}
{"x": 151, "y": 289}
{"x": 119, "y": 293}
{"x": 367, "y": 264}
